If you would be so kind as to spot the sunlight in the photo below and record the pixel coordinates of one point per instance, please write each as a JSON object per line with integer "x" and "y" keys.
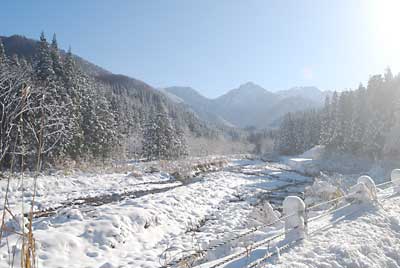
{"x": 384, "y": 20}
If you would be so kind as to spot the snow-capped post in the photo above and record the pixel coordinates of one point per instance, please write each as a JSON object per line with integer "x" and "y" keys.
{"x": 364, "y": 191}
{"x": 369, "y": 182}
{"x": 294, "y": 211}
{"x": 395, "y": 177}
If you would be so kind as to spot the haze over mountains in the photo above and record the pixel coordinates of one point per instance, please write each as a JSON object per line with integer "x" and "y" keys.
{"x": 249, "y": 105}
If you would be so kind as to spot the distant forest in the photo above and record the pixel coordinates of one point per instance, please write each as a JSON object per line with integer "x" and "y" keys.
{"x": 365, "y": 121}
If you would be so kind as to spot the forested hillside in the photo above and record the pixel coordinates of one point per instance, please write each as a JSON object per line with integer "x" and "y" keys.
{"x": 59, "y": 106}
{"x": 362, "y": 121}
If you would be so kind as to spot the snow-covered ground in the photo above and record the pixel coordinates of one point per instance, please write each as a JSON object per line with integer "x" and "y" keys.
{"x": 144, "y": 231}
{"x": 368, "y": 237}
{"x": 53, "y": 190}
{"x": 356, "y": 235}
{"x": 149, "y": 219}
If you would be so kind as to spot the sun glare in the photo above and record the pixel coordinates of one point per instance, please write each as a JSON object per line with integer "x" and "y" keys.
{"x": 384, "y": 19}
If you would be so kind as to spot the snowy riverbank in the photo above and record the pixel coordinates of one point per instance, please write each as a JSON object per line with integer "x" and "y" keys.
{"x": 147, "y": 230}
{"x": 150, "y": 219}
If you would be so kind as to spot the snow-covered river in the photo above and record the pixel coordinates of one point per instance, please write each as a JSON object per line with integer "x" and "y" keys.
{"x": 98, "y": 221}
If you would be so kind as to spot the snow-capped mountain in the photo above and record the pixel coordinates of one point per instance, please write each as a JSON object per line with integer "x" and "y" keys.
{"x": 246, "y": 105}
{"x": 311, "y": 93}
{"x": 200, "y": 105}
{"x": 249, "y": 104}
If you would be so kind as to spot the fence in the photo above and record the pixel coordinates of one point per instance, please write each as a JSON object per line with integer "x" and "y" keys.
{"x": 349, "y": 199}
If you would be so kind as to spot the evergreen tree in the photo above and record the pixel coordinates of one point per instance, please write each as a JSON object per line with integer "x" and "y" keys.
{"x": 392, "y": 139}
{"x": 359, "y": 120}
{"x": 56, "y": 58}
{"x": 98, "y": 125}
{"x": 44, "y": 67}
{"x": 326, "y": 122}
{"x": 179, "y": 147}
{"x": 74, "y": 84}
{"x": 3, "y": 57}
{"x": 388, "y": 76}
{"x": 335, "y": 122}
{"x": 286, "y": 142}
{"x": 160, "y": 139}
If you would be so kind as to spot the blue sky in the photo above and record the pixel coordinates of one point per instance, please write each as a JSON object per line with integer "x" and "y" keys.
{"x": 216, "y": 45}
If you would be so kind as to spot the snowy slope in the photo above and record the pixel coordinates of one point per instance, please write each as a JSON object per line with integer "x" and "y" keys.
{"x": 358, "y": 235}
{"x": 368, "y": 238}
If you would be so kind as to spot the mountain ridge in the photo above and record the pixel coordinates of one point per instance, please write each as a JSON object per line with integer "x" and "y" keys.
{"x": 249, "y": 104}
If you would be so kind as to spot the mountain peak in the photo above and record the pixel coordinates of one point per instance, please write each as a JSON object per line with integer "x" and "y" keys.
{"x": 307, "y": 92}
{"x": 249, "y": 104}
{"x": 251, "y": 86}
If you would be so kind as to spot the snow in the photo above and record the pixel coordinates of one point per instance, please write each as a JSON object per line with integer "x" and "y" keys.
{"x": 303, "y": 165}
{"x": 314, "y": 153}
{"x": 359, "y": 235}
{"x": 294, "y": 211}
{"x": 395, "y": 177}
{"x": 53, "y": 189}
{"x": 370, "y": 237}
{"x": 317, "y": 160}
{"x": 370, "y": 184}
{"x": 321, "y": 191}
{"x": 149, "y": 230}
{"x": 361, "y": 193}
{"x": 155, "y": 228}
{"x": 356, "y": 235}
{"x": 265, "y": 214}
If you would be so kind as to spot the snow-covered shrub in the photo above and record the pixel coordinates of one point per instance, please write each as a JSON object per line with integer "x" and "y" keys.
{"x": 264, "y": 213}
{"x": 362, "y": 193}
{"x": 321, "y": 191}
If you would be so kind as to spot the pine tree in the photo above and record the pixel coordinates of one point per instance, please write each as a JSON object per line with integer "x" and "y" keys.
{"x": 74, "y": 85}
{"x": 179, "y": 146}
{"x": 286, "y": 141}
{"x": 56, "y": 58}
{"x": 326, "y": 122}
{"x": 3, "y": 56}
{"x": 392, "y": 139}
{"x": 388, "y": 76}
{"x": 161, "y": 140}
{"x": 98, "y": 125}
{"x": 359, "y": 120}
{"x": 346, "y": 119}
{"x": 44, "y": 68}
{"x": 335, "y": 122}
{"x": 158, "y": 137}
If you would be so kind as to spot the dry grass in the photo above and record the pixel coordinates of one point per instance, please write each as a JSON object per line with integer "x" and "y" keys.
{"x": 28, "y": 245}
